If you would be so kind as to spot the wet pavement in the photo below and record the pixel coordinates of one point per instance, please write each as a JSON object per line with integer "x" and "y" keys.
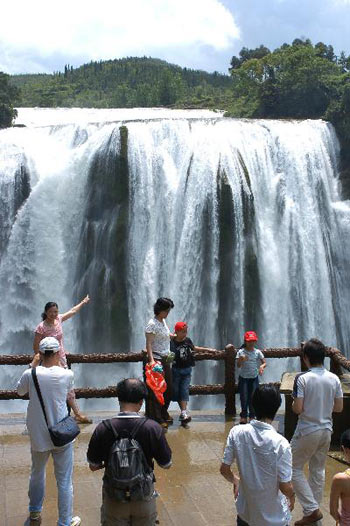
{"x": 192, "y": 492}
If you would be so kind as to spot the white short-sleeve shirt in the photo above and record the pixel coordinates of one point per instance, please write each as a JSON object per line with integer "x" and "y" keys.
{"x": 319, "y": 388}
{"x": 161, "y": 342}
{"x": 55, "y": 383}
{"x": 264, "y": 459}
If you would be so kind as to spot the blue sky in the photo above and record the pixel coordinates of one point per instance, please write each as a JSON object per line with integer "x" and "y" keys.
{"x": 39, "y": 36}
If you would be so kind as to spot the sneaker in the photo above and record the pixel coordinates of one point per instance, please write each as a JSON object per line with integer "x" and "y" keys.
{"x": 76, "y": 521}
{"x": 35, "y": 515}
{"x": 243, "y": 420}
{"x": 185, "y": 418}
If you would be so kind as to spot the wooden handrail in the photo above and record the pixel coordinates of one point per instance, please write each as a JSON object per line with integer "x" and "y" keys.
{"x": 229, "y": 388}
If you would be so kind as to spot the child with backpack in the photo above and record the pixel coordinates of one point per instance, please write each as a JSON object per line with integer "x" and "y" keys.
{"x": 340, "y": 489}
{"x": 251, "y": 363}
{"x": 183, "y": 348}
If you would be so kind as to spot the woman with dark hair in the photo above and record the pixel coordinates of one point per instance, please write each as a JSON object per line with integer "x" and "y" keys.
{"x": 52, "y": 326}
{"x": 158, "y": 348}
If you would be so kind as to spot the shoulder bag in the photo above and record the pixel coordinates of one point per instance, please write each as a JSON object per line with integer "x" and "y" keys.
{"x": 65, "y": 430}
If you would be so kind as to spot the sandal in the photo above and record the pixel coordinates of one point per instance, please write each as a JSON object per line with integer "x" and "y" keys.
{"x": 82, "y": 419}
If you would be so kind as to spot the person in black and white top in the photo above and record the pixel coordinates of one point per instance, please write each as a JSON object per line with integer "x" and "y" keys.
{"x": 150, "y": 436}
{"x": 158, "y": 349}
{"x": 55, "y": 382}
{"x": 317, "y": 394}
{"x": 182, "y": 347}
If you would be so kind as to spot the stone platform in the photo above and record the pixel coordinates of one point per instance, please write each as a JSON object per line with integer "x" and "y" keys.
{"x": 192, "y": 492}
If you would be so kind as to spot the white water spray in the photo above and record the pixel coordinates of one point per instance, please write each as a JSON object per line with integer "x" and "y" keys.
{"x": 239, "y": 222}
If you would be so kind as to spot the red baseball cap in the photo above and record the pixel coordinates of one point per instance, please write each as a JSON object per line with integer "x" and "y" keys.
{"x": 250, "y": 336}
{"x": 180, "y": 326}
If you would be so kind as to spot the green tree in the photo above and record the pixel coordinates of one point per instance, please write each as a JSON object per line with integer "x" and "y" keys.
{"x": 291, "y": 82}
{"x": 8, "y": 94}
{"x": 297, "y": 81}
{"x": 247, "y": 54}
{"x": 344, "y": 62}
{"x": 325, "y": 51}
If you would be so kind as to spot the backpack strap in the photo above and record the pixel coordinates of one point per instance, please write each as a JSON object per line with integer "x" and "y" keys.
{"x": 137, "y": 427}
{"x": 109, "y": 426}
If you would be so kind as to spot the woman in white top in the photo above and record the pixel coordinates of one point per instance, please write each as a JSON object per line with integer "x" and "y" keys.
{"x": 158, "y": 349}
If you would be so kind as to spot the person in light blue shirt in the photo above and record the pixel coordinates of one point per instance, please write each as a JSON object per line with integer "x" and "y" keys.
{"x": 263, "y": 490}
{"x": 251, "y": 363}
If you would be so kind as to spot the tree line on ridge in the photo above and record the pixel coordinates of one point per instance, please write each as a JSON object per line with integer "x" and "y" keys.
{"x": 298, "y": 80}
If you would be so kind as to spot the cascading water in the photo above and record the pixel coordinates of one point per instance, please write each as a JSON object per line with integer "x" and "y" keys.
{"x": 239, "y": 222}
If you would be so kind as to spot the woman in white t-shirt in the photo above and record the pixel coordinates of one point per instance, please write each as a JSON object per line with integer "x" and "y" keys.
{"x": 158, "y": 349}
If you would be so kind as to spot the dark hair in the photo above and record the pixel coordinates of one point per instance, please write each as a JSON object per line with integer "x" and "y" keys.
{"x": 131, "y": 390}
{"x": 345, "y": 439}
{"x": 162, "y": 304}
{"x": 315, "y": 351}
{"x": 47, "y": 307}
{"x": 266, "y": 401}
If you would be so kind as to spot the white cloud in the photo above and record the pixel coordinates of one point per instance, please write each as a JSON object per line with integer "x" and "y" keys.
{"x": 110, "y": 28}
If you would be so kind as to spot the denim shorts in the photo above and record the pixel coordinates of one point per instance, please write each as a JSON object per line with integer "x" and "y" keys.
{"x": 181, "y": 384}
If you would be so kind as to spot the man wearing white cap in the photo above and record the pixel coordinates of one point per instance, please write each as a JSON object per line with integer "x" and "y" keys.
{"x": 55, "y": 382}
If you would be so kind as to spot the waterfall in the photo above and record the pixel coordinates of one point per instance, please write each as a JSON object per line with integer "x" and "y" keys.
{"x": 240, "y": 222}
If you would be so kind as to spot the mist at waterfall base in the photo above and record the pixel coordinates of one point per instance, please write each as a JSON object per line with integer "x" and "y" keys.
{"x": 240, "y": 222}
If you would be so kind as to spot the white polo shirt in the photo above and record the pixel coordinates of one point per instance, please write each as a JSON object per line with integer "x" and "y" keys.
{"x": 319, "y": 388}
{"x": 55, "y": 383}
{"x": 264, "y": 459}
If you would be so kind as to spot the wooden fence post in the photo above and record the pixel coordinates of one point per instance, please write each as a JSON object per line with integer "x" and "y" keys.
{"x": 335, "y": 366}
{"x": 303, "y": 366}
{"x": 230, "y": 366}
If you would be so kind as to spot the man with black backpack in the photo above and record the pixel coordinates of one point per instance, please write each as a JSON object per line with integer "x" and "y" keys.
{"x": 125, "y": 446}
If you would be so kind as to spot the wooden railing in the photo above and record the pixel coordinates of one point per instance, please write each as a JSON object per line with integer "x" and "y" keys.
{"x": 228, "y": 355}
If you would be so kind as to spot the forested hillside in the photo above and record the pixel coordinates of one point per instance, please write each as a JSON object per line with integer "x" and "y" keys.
{"x": 298, "y": 80}
{"x": 124, "y": 83}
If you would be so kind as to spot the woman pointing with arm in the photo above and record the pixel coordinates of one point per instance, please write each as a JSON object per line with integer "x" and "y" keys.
{"x": 52, "y": 326}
